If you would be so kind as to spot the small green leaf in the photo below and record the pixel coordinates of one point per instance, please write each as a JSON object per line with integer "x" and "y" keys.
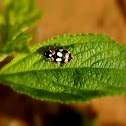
{"x": 19, "y": 44}
{"x": 15, "y": 19}
{"x": 98, "y": 69}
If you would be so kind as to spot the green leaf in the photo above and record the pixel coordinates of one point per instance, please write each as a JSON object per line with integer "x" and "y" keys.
{"x": 19, "y": 44}
{"x": 16, "y": 18}
{"x": 98, "y": 69}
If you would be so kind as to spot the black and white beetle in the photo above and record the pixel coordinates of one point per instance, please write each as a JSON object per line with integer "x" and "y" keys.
{"x": 59, "y": 55}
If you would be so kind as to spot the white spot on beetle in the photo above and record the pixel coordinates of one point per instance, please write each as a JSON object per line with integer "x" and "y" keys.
{"x": 66, "y": 57}
{"x": 58, "y": 59}
{"x": 60, "y": 50}
{"x": 59, "y": 54}
{"x": 50, "y": 55}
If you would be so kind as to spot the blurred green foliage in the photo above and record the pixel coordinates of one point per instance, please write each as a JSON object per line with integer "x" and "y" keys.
{"x": 16, "y": 17}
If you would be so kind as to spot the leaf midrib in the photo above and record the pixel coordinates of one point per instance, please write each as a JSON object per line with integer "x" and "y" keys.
{"x": 65, "y": 86}
{"x": 64, "y": 68}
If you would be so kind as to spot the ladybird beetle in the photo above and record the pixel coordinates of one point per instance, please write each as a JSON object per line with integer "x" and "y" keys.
{"x": 59, "y": 55}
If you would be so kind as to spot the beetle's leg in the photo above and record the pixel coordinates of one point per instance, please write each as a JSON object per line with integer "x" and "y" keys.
{"x": 68, "y": 48}
{"x": 61, "y": 64}
{"x": 47, "y": 47}
{"x": 54, "y": 47}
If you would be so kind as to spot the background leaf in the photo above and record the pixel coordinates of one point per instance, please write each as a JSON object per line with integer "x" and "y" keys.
{"x": 98, "y": 69}
{"x": 15, "y": 19}
{"x": 19, "y": 44}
